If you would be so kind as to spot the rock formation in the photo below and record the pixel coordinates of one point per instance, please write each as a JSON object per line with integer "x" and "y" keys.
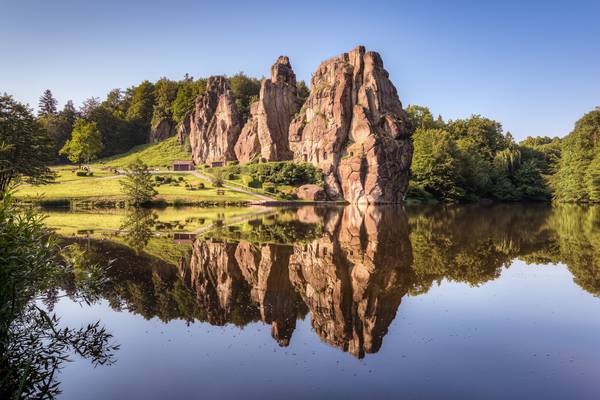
{"x": 213, "y": 126}
{"x": 311, "y": 192}
{"x": 266, "y": 132}
{"x": 354, "y": 128}
{"x": 163, "y": 130}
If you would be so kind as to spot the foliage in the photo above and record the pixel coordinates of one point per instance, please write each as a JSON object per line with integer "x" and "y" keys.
{"x": 436, "y": 164}
{"x": 25, "y": 148}
{"x": 245, "y": 90}
{"x": 218, "y": 178}
{"x": 142, "y": 104}
{"x": 138, "y": 185}
{"x": 285, "y": 173}
{"x": 576, "y": 178}
{"x": 138, "y": 224}
{"x": 165, "y": 93}
{"x": 32, "y": 345}
{"x": 85, "y": 143}
{"x": 185, "y": 99}
{"x": 302, "y": 92}
{"x": 469, "y": 159}
{"x": 47, "y": 104}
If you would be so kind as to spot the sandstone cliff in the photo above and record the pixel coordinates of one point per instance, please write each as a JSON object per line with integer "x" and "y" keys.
{"x": 354, "y": 128}
{"x": 266, "y": 132}
{"x": 163, "y": 130}
{"x": 213, "y": 126}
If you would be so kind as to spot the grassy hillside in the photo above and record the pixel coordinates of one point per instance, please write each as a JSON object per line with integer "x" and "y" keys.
{"x": 159, "y": 154}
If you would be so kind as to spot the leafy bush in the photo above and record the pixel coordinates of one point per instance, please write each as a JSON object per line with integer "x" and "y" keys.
{"x": 180, "y": 179}
{"x": 251, "y": 182}
{"x": 286, "y": 173}
{"x": 81, "y": 173}
{"x": 217, "y": 179}
{"x": 201, "y": 185}
{"x": 269, "y": 187}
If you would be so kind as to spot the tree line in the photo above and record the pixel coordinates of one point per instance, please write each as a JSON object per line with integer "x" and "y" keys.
{"x": 472, "y": 159}
{"x": 124, "y": 118}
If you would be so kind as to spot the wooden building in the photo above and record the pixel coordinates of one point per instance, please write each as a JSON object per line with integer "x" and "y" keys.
{"x": 183, "y": 165}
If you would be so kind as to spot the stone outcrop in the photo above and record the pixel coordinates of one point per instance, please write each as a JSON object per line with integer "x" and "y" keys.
{"x": 354, "y": 128}
{"x": 247, "y": 147}
{"x": 311, "y": 192}
{"x": 213, "y": 126}
{"x": 265, "y": 135}
{"x": 163, "y": 130}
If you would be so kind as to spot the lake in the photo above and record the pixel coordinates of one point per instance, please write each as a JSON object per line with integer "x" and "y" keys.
{"x": 452, "y": 302}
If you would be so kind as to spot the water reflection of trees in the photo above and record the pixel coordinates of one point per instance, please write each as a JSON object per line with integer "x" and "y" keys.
{"x": 349, "y": 267}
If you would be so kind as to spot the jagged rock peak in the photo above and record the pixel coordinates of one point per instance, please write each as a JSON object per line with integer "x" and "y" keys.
{"x": 282, "y": 71}
{"x": 265, "y": 134}
{"x": 354, "y": 128}
{"x": 214, "y": 125}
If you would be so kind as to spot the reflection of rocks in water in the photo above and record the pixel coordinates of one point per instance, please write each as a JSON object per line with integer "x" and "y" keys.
{"x": 231, "y": 279}
{"x": 353, "y": 278}
{"x": 266, "y": 270}
{"x": 350, "y": 267}
{"x": 215, "y": 277}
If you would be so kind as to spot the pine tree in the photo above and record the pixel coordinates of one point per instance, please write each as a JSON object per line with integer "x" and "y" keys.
{"x": 47, "y": 104}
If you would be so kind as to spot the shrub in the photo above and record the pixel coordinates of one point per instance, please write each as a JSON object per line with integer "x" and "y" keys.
{"x": 286, "y": 173}
{"x": 158, "y": 178}
{"x": 180, "y": 179}
{"x": 217, "y": 179}
{"x": 201, "y": 185}
{"x": 250, "y": 181}
{"x": 269, "y": 187}
{"x": 81, "y": 173}
{"x": 231, "y": 177}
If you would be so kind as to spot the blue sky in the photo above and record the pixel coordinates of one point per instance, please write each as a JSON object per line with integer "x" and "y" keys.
{"x": 532, "y": 65}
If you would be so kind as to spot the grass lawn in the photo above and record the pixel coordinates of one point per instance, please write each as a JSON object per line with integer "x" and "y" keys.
{"x": 160, "y": 154}
{"x": 106, "y": 185}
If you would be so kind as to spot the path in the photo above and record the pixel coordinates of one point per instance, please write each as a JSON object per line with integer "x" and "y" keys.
{"x": 197, "y": 174}
{"x": 263, "y": 198}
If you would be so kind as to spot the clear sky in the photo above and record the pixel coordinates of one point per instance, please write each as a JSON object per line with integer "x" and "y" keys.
{"x": 532, "y": 65}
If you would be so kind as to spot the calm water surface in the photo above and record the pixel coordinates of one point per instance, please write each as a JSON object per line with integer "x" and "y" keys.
{"x": 384, "y": 302}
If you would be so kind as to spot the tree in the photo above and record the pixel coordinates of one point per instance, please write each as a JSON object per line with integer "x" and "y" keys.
{"x": 577, "y": 167}
{"x": 138, "y": 185}
{"x": 33, "y": 347}
{"x": 47, "y": 104}
{"x": 85, "y": 143}
{"x": 436, "y": 164}
{"x": 302, "y": 91}
{"x": 166, "y": 92}
{"x": 142, "y": 105}
{"x": 245, "y": 90}
{"x": 60, "y": 126}
{"x": 187, "y": 92}
{"x": 88, "y": 106}
{"x": 592, "y": 179}
{"x": 25, "y": 148}
{"x": 420, "y": 117}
